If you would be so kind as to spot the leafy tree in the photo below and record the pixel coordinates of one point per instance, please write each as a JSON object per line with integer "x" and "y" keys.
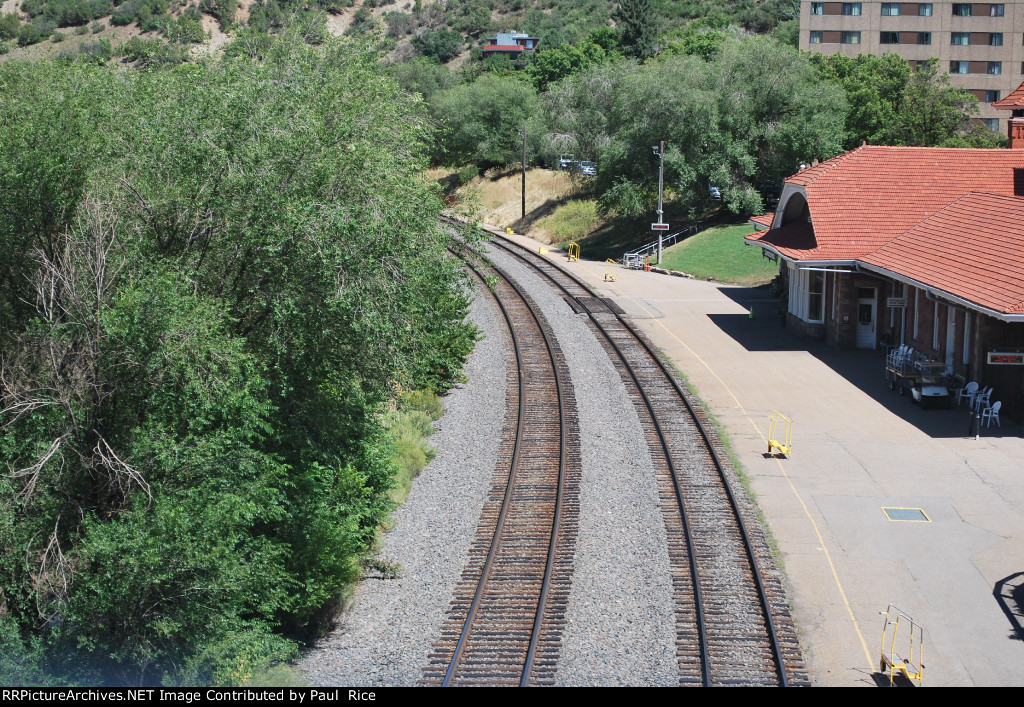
{"x": 442, "y": 45}
{"x": 553, "y": 65}
{"x": 637, "y": 24}
{"x": 480, "y": 120}
{"x": 891, "y": 104}
{"x": 423, "y": 76}
{"x": 727, "y": 123}
{"x": 216, "y": 277}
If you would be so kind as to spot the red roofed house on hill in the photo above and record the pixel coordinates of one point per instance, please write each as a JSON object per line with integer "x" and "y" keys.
{"x": 915, "y": 245}
{"x": 511, "y": 44}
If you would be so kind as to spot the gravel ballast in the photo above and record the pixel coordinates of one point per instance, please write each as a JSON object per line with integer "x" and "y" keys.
{"x": 620, "y": 627}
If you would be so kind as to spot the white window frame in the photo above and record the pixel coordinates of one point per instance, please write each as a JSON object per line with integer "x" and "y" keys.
{"x": 800, "y": 295}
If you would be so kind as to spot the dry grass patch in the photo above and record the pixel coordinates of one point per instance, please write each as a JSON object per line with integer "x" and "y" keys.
{"x": 499, "y": 195}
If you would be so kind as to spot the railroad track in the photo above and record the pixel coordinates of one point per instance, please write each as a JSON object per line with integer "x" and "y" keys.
{"x": 732, "y": 619}
{"x": 504, "y": 623}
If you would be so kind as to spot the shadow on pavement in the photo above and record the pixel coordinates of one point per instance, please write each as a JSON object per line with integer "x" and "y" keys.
{"x": 863, "y": 368}
{"x": 1009, "y": 594}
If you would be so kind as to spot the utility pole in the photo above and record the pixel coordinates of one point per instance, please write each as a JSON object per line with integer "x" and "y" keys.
{"x": 660, "y": 152}
{"x": 523, "y": 131}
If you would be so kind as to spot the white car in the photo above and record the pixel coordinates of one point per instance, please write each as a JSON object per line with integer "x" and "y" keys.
{"x": 588, "y": 168}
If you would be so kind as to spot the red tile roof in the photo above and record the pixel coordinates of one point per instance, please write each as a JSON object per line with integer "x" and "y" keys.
{"x": 763, "y": 220}
{"x": 861, "y": 200}
{"x": 1014, "y": 100}
{"x": 973, "y": 249}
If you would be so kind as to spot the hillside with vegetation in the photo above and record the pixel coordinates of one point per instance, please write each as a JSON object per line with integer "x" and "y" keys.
{"x": 227, "y": 306}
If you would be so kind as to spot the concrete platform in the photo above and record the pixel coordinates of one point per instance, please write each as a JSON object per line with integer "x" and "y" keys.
{"x": 857, "y": 447}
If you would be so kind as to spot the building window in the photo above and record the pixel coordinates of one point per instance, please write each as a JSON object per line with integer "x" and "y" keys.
{"x": 958, "y": 67}
{"x": 992, "y": 97}
{"x": 890, "y": 9}
{"x": 851, "y": 8}
{"x": 961, "y": 9}
{"x": 960, "y": 38}
{"x": 807, "y": 295}
{"x": 924, "y": 37}
{"x": 996, "y": 10}
{"x": 995, "y": 39}
{"x": 815, "y": 36}
{"x": 850, "y": 38}
{"x": 992, "y": 124}
{"x": 889, "y": 38}
{"x": 817, "y": 8}
{"x": 924, "y": 9}
{"x": 995, "y": 67}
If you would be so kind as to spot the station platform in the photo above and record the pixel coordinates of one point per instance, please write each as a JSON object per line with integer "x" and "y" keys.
{"x": 957, "y": 566}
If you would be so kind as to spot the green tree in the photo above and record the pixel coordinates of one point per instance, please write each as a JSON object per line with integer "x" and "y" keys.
{"x": 638, "y": 29}
{"x": 480, "y": 120}
{"x": 217, "y": 275}
{"x": 442, "y": 45}
{"x": 892, "y": 104}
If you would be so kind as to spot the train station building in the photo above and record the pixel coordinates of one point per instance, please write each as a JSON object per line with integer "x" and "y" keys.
{"x": 909, "y": 245}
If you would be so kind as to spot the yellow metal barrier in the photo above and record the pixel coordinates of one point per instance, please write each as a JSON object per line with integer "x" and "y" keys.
{"x": 907, "y": 656}
{"x": 542, "y": 250}
{"x": 574, "y": 251}
{"x": 786, "y": 446}
{"x": 611, "y": 270}
{"x": 509, "y": 231}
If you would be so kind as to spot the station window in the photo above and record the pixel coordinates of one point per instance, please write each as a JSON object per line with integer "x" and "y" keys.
{"x": 992, "y": 123}
{"x": 850, "y": 38}
{"x": 961, "y": 9}
{"x": 996, "y": 10}
{"x": 960, "y": 38}
{"x": 992, "y": 97}
{"x": 889, "y": 38}
{"x": 958, "y": 67}
{"x": 924, "y": 9}
{"x": 924, "y": 37}
{"x": 995, "y": 39}
{"x": 817, "y": 8}
{"x": 815, "y": 36}
{"x": 995, "y": 67}
{"x": 807, "y": 294}
{"x": 851, "y": 8}
{"x": 890, "y": 9}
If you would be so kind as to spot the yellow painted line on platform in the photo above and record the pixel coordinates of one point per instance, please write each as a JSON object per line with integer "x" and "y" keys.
{"x": 807, "y": 512}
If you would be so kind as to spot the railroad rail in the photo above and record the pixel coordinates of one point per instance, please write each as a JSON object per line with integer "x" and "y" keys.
{"x": 504, "y": 623}
{"x": 732, "y": 620}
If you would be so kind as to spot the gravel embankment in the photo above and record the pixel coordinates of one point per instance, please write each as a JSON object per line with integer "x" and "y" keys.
{"x": 384, "y": 638}
{"x": 620, "y": 625}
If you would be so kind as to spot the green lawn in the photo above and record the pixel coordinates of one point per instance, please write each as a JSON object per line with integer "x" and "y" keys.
{"x": 719, "y": 253}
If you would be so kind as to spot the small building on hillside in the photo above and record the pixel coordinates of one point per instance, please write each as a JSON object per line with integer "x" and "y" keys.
{"x": 909, "y": 245}
{"x": 510, "y": 44}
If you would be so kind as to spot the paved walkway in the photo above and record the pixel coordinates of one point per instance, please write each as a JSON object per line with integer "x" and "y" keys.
{"x": 857, "y": 447}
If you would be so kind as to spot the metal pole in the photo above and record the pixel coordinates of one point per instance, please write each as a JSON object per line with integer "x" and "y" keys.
{"x": 524, "y": 172}
{"x": 661, "y": 179}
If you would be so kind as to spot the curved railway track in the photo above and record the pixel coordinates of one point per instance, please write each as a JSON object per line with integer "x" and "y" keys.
{"x": 505, "y": 621}
{"x": 732, "y": 620}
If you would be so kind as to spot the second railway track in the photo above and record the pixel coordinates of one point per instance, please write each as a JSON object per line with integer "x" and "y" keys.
{"x": 732, "y": 620}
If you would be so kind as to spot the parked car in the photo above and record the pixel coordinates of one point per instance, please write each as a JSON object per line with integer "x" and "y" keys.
{"x": 715, "y": 193}
{"x": 588, "y": 168}
{"x": 566, "y": 161}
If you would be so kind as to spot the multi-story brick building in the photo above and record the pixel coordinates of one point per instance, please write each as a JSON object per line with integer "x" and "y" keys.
{"x": 981, "y": 45}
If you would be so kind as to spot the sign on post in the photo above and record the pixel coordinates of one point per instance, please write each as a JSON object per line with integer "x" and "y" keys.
{"x": 659, "y": 226}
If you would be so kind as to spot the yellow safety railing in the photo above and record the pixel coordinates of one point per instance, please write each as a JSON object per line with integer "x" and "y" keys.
{"x": 574, "y": 251}
{"x": 785, "y": 446}
{"x": 902, "y": 646}
{"x": 611, "y": 270}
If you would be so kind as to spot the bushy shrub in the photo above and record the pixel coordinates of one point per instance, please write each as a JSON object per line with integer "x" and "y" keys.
{"x": 443, "y": 45}
{"x": 28, "y": 35}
